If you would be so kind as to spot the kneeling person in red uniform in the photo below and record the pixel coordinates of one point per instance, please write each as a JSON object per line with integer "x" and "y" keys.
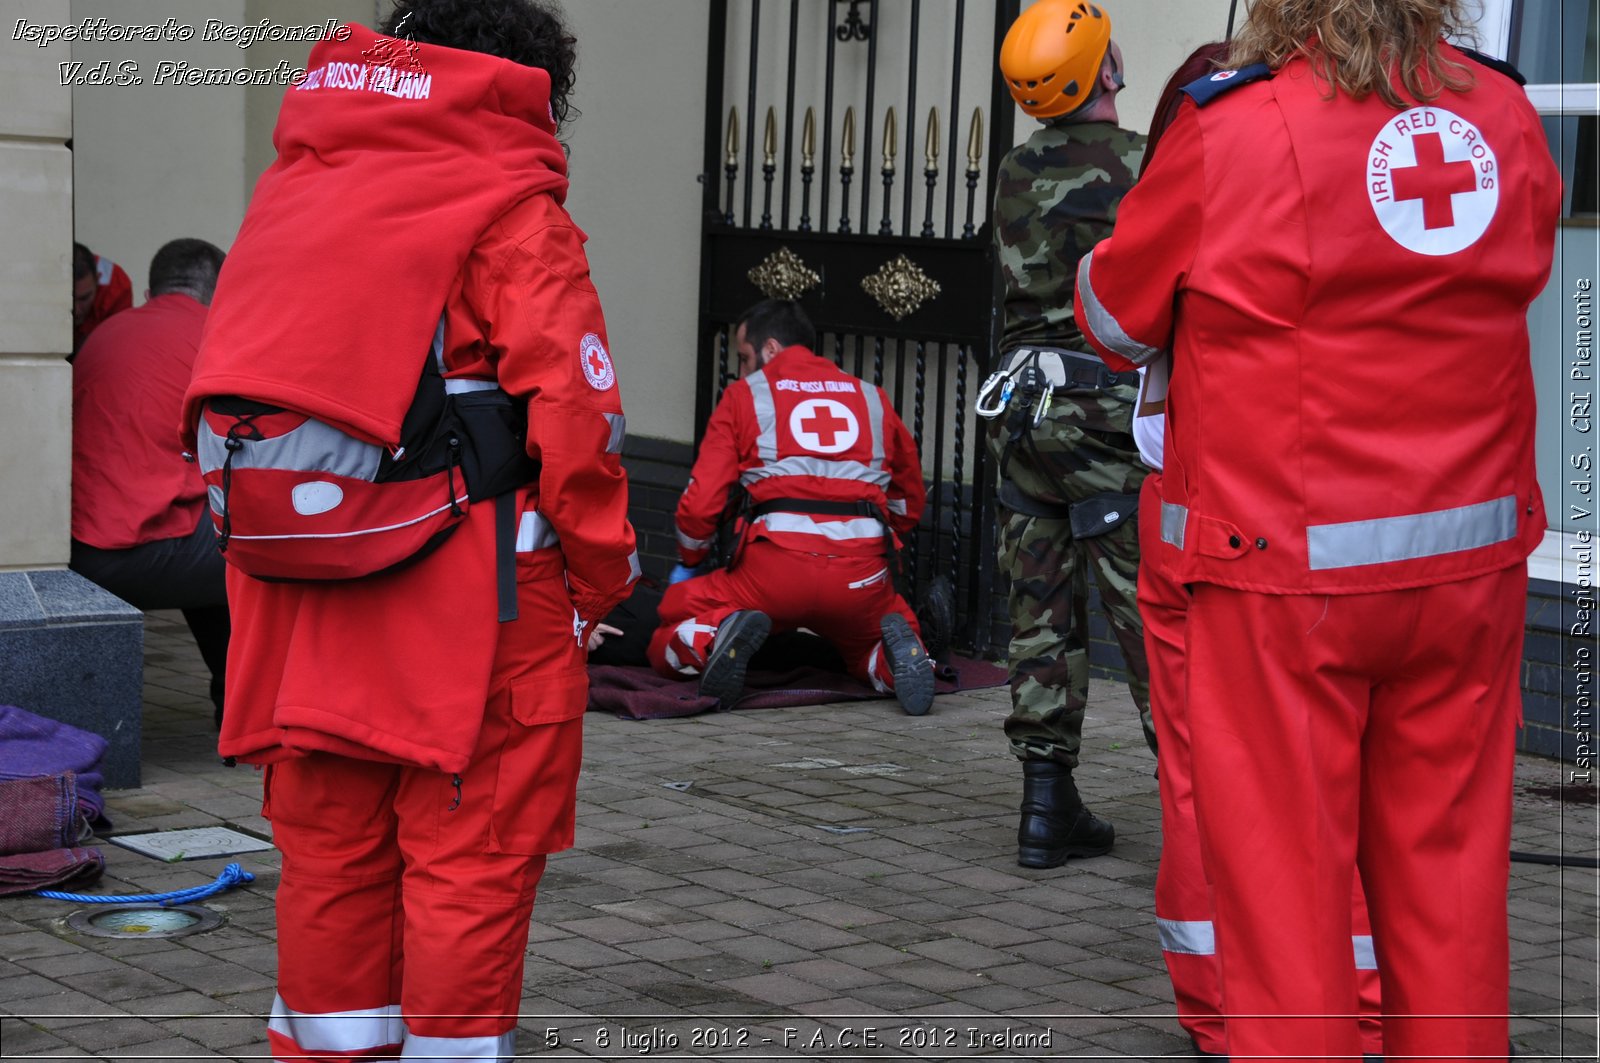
{"x": 421, "y": 727}
{"x": 832, "y": 477}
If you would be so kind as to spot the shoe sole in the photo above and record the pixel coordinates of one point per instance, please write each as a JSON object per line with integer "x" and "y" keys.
{"x": 1030, "y": 857}
{"x": 737, "y": 641}
{"x": 909, "y": 664}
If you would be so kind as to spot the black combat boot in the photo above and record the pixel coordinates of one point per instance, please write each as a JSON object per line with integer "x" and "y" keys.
{"x": 738, "y": 638}
{"x": 1055, "y": 825}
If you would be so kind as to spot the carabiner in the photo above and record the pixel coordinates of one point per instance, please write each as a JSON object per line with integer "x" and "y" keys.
{"x": 984, "y": 392}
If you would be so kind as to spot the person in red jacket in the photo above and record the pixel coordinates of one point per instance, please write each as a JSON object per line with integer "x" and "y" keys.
{"x": 831, "y": 478}
{"x": 139, "y": 523}
{"x": 1354, "y": 546}
{"x": 422, "y": 756}
{"x": 100, "y": 288}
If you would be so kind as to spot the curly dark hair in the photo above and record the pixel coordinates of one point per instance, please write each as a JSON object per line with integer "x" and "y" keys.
{"x": 530, "y": 32}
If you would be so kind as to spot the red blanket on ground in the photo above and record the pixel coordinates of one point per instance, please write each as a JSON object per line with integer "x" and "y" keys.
{"x": 636, "y": 691}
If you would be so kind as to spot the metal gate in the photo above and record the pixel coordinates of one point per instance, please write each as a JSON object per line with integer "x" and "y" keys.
{"x": 879, "y": 126}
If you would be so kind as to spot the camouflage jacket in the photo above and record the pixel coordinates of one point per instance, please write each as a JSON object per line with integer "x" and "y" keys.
{"x": 1056, "y": 197}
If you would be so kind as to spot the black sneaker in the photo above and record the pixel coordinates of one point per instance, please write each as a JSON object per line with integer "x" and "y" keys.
{"x": 738, "y": 639}
{"x": 909, "y": 663}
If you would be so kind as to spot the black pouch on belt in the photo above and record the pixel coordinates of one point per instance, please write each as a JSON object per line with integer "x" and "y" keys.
{"x": 1100, "y": 513}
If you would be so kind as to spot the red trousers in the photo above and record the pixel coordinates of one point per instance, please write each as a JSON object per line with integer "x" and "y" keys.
{"x": 1373, "y": 730}
{"x": 1183, "y": 893}
{"x": 404, "y": 904}
{"x": 841, "y": 599}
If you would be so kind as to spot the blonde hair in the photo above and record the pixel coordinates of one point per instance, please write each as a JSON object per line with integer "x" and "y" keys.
{"x": 1357, "y": 46}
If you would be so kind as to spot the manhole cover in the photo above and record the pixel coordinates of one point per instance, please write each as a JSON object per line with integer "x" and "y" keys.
{"x": 191, "y": 844}
{"x": 144, "y": 921}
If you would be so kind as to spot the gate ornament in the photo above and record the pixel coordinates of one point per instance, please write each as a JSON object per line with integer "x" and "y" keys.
{"x": 782, "y": 275}
{"x": 900, "y": 287}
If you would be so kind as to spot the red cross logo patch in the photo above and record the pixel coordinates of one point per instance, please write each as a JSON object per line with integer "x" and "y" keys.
{"x": 597, "y": 369}
{"x": 1432, "y": 180}
{"x": 824, "y": 426}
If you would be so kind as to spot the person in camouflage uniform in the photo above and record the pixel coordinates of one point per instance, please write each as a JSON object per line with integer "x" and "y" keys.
{"x": 1060, "y": 427}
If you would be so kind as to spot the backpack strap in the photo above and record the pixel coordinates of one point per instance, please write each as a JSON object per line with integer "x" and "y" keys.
{"x": 505, "y": 554}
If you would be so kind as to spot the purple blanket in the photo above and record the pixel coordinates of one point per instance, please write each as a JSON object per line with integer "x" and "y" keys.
{"x": 32, "y": 745}
{"x": 630, "y": 690}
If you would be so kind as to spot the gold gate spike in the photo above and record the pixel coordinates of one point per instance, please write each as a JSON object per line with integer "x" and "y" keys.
{"x": 808, "y": 140}
{"x": 891, "y": 136}
{"x": 733, "y": 136}
{"x": 975, "y": 141}
{"x": 769, "y": 140}
{"x": 900, "y": 287}
{"x": 782, "y": 275}
{"x": 932, "y": 138}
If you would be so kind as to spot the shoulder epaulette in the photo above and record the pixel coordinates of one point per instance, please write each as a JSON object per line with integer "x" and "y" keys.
{"x": 1498, "y": 65}
{"x": 1203, "y": 90}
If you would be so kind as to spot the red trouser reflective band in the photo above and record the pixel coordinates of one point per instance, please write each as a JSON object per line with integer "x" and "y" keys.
{"x": 1183, "y": 892}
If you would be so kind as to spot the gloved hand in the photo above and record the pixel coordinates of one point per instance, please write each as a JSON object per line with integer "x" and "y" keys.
{"x": 682, "y": 572}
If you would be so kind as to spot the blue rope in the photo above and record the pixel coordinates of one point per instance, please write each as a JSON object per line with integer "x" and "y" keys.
{"x": 232, "y": 875}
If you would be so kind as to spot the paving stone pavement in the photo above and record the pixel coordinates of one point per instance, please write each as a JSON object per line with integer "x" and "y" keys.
{"x": 831, "y": 882}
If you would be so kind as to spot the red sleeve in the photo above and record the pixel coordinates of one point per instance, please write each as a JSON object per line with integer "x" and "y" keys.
{"x": 545, "y": 327}
{"x": 116, "y": 290}
{"x": 715, "y": 472}
{"x": 907, "y": 493}
{"x": 1128, "y": 285}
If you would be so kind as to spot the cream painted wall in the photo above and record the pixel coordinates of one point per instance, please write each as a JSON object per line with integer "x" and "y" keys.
{"x": 152, "y": 161}
{"x": 35, "y": 294}
{"x": 635, "y": 160}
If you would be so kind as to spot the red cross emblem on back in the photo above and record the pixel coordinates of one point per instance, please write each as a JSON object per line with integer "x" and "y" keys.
{"x": 825, "y": 425}
{"x": 1433, "y": 181}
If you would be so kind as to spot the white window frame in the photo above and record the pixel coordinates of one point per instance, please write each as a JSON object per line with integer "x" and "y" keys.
{"x": 1551, "y": 560}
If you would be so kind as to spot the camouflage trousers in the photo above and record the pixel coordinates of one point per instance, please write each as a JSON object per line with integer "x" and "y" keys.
{"x": 1076, "y": 453}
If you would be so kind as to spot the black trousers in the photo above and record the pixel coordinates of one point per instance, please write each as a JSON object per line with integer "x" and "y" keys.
{"x": 184, "y": 574}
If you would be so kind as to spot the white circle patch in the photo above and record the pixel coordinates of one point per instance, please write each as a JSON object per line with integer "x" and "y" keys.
{"x": 1224, "y": 75}
{"x": 824, "y": 426}
{"x": 1433, "y": 181}
{"x": 596, "y": 363}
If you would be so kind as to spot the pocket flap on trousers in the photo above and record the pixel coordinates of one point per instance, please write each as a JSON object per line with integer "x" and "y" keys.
{"x": 551, "y": 697}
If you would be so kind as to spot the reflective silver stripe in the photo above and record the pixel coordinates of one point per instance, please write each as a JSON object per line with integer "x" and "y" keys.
{"x": 1173, "y": 519}
{"x": 349, "y": 534}
{"x": 619, "y": 432}
{"x": 1192, "y": 937}
{"x": 462, "y": 385}
{"x": 1443, "y": 531}
{"x": 437, "y": 349}
{"x": 1103, "y": 326}
{"x": 874, "y": 397}
{"x": 800, "y": 524}
{"x": 897, "y": 506}
{"x": 766, "y": 416}
{"x": 634, "y": 571}
{"x": 339, "y": 1031}
{"x": 535, "y": 533}
{"x": 1366, "y": 955}
{"x": 802, "y": 466}
{"x": 689, "y": 543}
{"x": 502, "y": 1046}
{"x": 312, "y": 447}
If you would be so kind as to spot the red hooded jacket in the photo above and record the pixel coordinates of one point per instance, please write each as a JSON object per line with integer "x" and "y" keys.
{"x": 392, "y": 199}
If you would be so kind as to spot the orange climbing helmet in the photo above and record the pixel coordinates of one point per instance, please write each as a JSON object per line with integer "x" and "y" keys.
{"x": 1052, "y": 55}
